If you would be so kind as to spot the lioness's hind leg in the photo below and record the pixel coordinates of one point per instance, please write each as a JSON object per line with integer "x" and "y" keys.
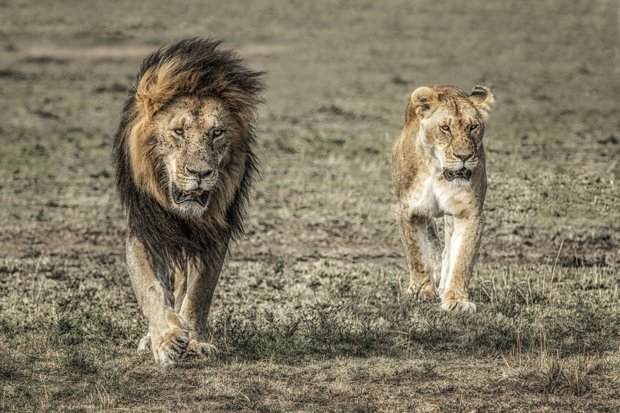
{"x": 434, "y": 252}
{"x": 445, "y": 256}
{"x": 418, "y": 250}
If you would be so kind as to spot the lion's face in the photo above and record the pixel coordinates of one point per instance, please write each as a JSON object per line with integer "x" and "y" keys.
{"x": 193, "y": 138}
{"x": 452, "y": 127}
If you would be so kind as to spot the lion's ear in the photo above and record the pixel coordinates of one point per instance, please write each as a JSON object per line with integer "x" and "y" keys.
{"x": 423, "y": 102}
{"x": 482, "y": 98}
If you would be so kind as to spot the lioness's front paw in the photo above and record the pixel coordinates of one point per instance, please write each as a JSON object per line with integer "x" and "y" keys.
{"x": 463, "y": 305}
{"x": 425, "y": 292}
{"x": 170, "y": 345}
{"x": 199, "y": 349}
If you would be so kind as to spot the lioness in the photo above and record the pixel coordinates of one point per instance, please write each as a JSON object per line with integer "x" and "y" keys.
{"x": 184, "y": 167}
{"x": 438, "y": 169}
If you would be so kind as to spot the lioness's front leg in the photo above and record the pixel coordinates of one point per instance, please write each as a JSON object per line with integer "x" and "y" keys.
{"x": 464, "y": 245}
{"x": 202, "y": 278}
{"x": 419, "y": 253}
{"x": 168, "y": 333}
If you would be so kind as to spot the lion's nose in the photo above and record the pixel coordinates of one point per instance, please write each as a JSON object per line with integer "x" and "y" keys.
{"x": 464, "y": 157}
{"x": 200, "y": 173}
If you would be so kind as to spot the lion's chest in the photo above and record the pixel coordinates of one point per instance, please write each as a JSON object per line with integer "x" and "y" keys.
{"x": 433, "y": 197}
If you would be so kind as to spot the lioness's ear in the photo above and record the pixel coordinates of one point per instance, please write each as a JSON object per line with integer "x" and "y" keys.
{"x": 482, "y": 98}
{"x": 423, "y": 102}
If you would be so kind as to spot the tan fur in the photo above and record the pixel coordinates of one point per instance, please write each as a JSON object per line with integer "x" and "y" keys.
{"x": 184, "y": 169}
{"x": 167, "y": 334}
{"x": 142, "y": 166}
{"x": 156, "y": 88}
{"x": 424, "y": 157}
{"x": 184, "y": 302}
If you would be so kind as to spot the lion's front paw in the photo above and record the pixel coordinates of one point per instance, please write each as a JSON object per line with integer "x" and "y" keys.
{"x": 170, "y": 345}
{"x": 463, "y": 305}
{"x": 199, "y": 349}
{"x": 425, "y": 292}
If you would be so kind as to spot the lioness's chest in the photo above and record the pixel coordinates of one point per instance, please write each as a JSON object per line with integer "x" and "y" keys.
{"x": 435, "y": 197}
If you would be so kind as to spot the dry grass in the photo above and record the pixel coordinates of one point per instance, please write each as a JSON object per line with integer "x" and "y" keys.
{"x": 310, "y": 313}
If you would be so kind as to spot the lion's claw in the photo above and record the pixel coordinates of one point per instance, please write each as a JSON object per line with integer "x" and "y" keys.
{"x": 175, "y": 345}
{"x": 170, "y": 346}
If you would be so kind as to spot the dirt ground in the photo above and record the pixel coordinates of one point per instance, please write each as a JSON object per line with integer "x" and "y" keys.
{"x": 310, "y": 313}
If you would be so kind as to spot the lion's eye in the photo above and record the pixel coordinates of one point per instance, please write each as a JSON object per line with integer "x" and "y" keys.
{"x": 217, "y": 132}
{"x": 178, "y": 131}
{"x": 473, "y": 127}
{"x": 445, "y": 127}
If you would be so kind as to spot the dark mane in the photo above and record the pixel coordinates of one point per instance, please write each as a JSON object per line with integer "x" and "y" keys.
{"x": 194, "y": 67}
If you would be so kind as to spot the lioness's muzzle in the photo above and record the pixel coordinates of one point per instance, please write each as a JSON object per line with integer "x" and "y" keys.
{"x": 460, "y": 174}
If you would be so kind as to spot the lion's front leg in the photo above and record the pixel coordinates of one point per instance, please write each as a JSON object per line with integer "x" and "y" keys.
{"x": 167, "y": 333}
{"x": 202, "y": 279}
{"x": 464, "y": 245}
{"x": 419, "y": 252}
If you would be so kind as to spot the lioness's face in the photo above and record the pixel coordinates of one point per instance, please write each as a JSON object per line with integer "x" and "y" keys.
{"x": 455, "y": 133}
{"x": 194, "y": 137}
{"x": 451, "y": 126}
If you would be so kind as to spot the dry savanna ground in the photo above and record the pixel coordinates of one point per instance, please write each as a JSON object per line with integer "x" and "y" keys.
{"x": 310, "y": 313}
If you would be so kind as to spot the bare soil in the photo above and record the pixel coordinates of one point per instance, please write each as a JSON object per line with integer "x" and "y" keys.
{"x": 310, "y": 313}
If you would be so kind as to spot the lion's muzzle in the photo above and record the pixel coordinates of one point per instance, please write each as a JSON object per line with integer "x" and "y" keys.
{"x": 197, "y": 195}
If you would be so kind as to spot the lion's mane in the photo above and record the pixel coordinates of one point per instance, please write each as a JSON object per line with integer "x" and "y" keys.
{"x": 194, "y": 67}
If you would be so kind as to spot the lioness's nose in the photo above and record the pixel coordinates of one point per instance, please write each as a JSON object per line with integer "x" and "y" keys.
{"x": 200, "y": 173}
{"x": 464, "y": 157}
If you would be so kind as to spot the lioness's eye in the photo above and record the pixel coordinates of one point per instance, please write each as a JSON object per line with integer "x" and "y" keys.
{"x": 217, "y": 132}
{"x": 445, "y": 127}
{"x": 473, "y": 127}
{"x": 178, "y": 131}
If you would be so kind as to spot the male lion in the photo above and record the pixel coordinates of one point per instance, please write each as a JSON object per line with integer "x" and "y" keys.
{"x": 184, "y": 168}
{"x": 438, "y": 169}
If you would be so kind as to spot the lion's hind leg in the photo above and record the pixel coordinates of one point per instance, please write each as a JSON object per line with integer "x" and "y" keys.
{"x": 202, "y": 277}
{"x": 199, "y": 349}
